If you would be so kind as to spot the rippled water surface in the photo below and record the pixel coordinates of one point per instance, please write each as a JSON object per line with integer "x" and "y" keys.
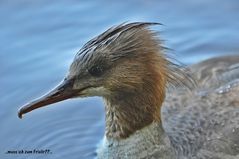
{"x": 38, "y": 40}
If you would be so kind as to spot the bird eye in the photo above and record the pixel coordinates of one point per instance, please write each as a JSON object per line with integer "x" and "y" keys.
{"x": 96, "y": 71}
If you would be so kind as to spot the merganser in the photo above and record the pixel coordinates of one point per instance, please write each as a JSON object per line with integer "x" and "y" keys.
{"x": 127, "y": 65}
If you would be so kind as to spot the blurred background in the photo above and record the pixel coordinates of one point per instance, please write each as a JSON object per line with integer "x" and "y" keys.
{"x": 38, "y": 40}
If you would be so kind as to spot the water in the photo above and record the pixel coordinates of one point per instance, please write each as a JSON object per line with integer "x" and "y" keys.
{"x": 38, "y": 40}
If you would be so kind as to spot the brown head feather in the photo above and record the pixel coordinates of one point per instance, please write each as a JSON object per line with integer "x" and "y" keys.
{"x": 137, "y": 74}
{"x": 140, "y": 72}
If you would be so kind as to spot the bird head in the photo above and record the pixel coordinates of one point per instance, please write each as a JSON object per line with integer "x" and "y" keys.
{"x": 126, "y": 66}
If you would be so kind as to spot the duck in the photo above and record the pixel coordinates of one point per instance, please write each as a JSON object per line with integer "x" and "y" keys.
{"x": 155, "y": 108}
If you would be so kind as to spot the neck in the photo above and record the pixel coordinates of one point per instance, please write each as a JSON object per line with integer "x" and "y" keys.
{"x": 144, "y": 143}
{"x": 128, "y": 112}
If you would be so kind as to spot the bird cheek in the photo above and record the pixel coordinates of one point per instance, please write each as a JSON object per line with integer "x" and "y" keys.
{"x": 80, "y": 84}
{"x": 95, "y": 91}
{"x": 77, "y": 85}
{"x": 112, "y": 84}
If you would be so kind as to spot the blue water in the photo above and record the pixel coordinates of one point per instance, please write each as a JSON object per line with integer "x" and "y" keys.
{"x": 38, "y": 40}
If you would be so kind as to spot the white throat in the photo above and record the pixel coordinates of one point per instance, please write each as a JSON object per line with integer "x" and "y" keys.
{"x": 148, "y": 142}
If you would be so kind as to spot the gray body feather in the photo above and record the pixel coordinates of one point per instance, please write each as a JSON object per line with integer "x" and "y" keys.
{"x": 205, "y": 123}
